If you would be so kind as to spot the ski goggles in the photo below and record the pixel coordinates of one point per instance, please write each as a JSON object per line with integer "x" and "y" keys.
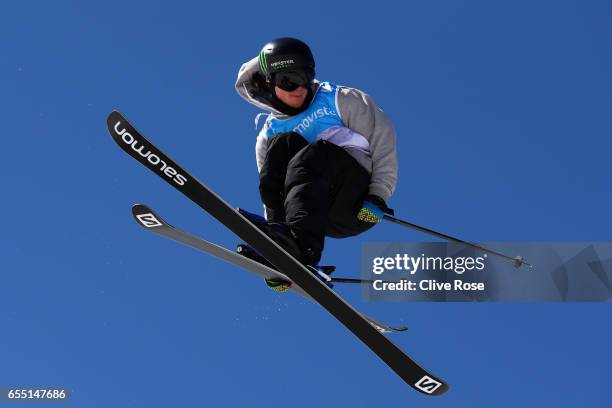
{"x": 292, "y": 80}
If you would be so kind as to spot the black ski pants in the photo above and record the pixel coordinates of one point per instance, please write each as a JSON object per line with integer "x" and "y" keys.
{"x": 316, "y": 189}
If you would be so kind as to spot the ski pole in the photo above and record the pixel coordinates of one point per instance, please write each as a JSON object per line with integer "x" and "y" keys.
{"x": 351, "y": 280}
{"x": 517, "y": 261}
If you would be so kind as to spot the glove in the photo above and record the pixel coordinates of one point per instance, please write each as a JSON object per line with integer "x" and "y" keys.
{"x": 373, "y": 210}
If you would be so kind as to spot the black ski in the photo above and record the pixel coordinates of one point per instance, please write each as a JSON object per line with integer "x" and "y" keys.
{"x": 151, "y": 221}
{"x": 133, "y": 143}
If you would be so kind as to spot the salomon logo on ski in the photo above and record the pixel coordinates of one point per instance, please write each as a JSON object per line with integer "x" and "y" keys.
{"x": 152, "y": 158}
{"x": 148, "y": 220}
{"x": 428, "y": 384}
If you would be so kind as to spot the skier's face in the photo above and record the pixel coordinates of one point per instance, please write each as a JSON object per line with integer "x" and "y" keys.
{"x": 294, "y": 98}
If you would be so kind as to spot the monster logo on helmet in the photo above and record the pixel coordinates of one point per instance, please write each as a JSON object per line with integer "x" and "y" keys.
{"x": 286, "y": 54}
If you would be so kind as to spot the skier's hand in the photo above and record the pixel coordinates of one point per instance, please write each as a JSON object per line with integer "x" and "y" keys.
{"x": 259, "y": 86}
{"x": 373, "y": 209}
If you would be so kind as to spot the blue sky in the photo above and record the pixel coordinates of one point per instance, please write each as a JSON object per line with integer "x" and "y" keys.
{"x": 503, "y": 117}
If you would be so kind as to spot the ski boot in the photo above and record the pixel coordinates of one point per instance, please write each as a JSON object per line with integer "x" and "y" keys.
{"x": 280, "y": 285}
{"x": 281, "y": 234}
{"x": 277, "y": 285}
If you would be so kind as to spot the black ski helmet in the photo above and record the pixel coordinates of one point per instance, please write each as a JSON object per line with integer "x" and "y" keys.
{"x": 286, "y": 54}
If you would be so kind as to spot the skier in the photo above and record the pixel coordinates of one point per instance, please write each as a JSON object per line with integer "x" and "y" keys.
{"x": 326, "y": 154}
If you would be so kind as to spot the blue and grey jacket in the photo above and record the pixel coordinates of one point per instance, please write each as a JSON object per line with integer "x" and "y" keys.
{"x": 341, "y": 115}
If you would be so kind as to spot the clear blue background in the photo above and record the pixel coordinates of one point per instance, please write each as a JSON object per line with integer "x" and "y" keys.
{"x": 503, "y": 117}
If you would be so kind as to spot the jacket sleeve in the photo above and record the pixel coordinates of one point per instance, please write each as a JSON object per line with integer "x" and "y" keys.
{"x": 359, "y": 113}
{"x": 261, "y": 148}
{"x": 244, "y": 77}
